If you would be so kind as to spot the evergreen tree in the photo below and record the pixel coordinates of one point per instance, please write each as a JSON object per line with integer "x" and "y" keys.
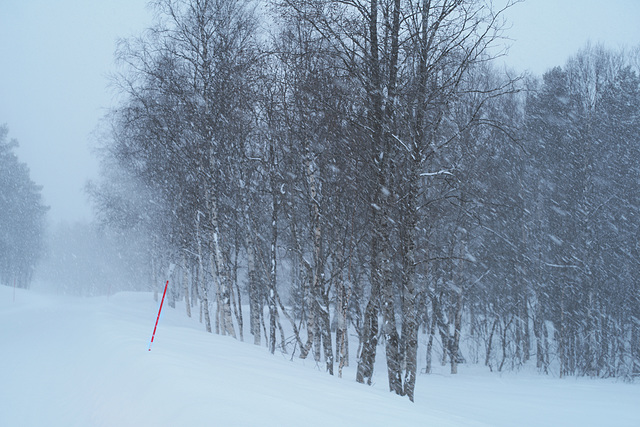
{"x": 22, "y": 218}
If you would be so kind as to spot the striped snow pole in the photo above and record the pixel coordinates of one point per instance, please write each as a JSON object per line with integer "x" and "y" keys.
{"x": 158, "y": 318}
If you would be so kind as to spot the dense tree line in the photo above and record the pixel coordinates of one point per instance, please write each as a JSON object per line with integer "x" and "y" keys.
{"x": 585, "y": 118}
{"x": 362, "y": 165}
{"x": 22, "y": 218}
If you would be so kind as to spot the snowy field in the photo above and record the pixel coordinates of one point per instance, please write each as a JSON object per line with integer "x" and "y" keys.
{"x": 84, "y": 362}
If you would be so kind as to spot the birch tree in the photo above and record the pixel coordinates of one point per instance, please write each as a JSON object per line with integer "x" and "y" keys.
{"x": 185, "y": 119}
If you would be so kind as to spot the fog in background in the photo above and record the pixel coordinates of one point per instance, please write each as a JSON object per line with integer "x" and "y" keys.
{"x": 85, "y": 259}
{"x": 54, "y": 89}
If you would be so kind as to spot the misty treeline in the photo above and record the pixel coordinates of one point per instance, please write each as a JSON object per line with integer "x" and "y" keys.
{"x": 90, "y": 260}
{"x": 22, "y": 218}
{"x": 362, "y": 166}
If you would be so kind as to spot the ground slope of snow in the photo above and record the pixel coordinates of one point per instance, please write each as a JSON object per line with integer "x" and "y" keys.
{"x": 84, "y": 362}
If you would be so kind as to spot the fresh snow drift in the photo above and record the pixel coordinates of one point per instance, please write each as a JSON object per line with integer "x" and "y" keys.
{"x": 84, "y": 362}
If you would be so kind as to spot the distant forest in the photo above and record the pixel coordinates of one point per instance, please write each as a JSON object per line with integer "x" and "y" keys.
{"x": 365, "y": 167}
{"x": 22, "y": 217}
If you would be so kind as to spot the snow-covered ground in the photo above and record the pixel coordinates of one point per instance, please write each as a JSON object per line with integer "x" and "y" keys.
{"x": 84, "y": 362}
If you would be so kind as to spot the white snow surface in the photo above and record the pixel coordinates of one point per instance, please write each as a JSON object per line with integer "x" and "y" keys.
{"x": 67, "y": 361}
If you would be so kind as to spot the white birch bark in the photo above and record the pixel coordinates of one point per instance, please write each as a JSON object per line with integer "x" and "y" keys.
{"x": 185, "y": 284}
{"x": 224, "y": 320}
{"x": 204, "y": 307}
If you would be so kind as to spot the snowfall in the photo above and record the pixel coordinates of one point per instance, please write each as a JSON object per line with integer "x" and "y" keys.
{"x": 70, "y": 361}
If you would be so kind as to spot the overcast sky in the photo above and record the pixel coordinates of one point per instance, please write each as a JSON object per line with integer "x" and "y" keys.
{"x": 55, "y": 56}
{"x": 54, "y": 59}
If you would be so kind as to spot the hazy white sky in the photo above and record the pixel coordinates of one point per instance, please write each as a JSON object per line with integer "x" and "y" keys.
{"x": 55, "y": 55}
{"x": 546, "y": 32}
{"x": 54, "y": 59}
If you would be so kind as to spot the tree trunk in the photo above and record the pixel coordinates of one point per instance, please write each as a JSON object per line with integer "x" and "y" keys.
{"x": 326, "y": 333}
{"x": 205, "y": 299}
{"x": 255, "y": 300}
{"x": 271, "y": 299}
{"x": 342, "y": 304}
{"x": 154, "y": 279}
{"x": 409, "y": 289}
{"x": 185, "y": 284}
{"x": 369, "y": 338}
{"x": 432, "y": 333}
{"x": 455, "y": 342}
{"x": 487, "y": 357}
{"x": 225, "y": 292}
{"x": 216, "y": 282}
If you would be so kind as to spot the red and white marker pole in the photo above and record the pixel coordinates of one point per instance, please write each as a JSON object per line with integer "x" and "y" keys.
{"x": 158, "y": 318}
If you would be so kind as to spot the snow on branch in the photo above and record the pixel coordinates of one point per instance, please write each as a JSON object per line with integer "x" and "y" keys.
{"x": 442, "y": 172}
